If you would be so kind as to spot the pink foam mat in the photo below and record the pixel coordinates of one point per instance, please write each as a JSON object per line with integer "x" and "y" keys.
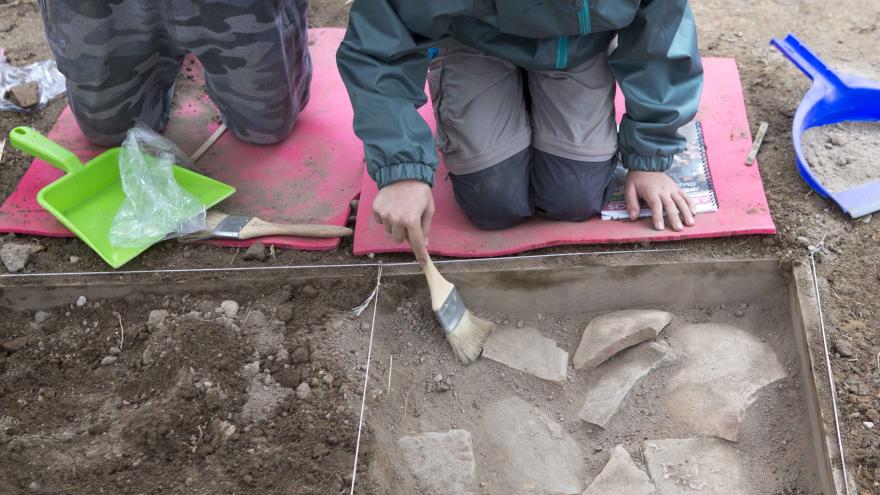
{"x": 309, "y": 178}
{"x": 742, "y": 202}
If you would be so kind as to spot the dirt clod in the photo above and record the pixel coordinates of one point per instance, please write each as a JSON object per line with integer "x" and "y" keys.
{"x": 256, "y": 252}
{"x": 284, "y": 312}
{"x": 300, "y": 355}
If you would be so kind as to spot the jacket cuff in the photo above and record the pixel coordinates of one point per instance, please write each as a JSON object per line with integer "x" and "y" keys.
{"x": 389, "y": 174}
{"x": 654, "y": 163}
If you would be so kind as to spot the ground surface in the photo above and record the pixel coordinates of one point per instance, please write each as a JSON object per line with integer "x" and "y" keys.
{"x": 845, "y": 34}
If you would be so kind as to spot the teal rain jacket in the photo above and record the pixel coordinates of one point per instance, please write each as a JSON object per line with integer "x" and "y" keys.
{"x": 384, "y": 63}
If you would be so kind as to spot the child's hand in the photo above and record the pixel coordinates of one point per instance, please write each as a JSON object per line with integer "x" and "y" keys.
{"x": 405, "y": 209}
{"x": 661, "y": 194}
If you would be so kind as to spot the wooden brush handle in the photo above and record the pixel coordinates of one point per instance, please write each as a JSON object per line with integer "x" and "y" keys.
{"x": 439, "y": 286}
{"x": 261, "y": 228}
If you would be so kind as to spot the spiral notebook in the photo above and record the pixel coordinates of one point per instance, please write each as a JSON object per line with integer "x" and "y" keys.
{"x": 690, "y": 170}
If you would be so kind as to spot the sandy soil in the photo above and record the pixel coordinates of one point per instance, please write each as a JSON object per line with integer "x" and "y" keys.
{"x": 846, "y": 36}
{"x": 844, "y": 155}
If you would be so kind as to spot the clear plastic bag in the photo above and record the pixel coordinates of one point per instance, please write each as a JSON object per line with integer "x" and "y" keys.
{"x": 45, "y": 73}
{"x": 155, "y": 206}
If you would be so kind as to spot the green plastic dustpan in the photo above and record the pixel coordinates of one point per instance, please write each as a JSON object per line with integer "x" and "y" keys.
{"x": 87, "y": 198}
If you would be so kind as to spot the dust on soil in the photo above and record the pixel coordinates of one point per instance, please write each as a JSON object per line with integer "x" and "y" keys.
{"x": 844, "y": 155}
{"x": 848, "y": 268}
{"x": 172, "y": 395}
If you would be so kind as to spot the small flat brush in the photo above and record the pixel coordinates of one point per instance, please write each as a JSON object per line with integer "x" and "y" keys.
{"x": 465, "y": 332}
{"x": 222, "y": 226}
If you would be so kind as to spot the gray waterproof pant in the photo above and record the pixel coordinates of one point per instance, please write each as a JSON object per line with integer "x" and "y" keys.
{"x": 121, "y": 59}
{"x": 520, "y": 143}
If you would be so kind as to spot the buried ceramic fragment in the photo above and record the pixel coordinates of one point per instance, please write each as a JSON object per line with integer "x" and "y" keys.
{"x": 614, "y": 379}
{"x": 531, "y": 451}
{"x": 707, "y": 466}
{"x": 526, "y": 350}
{"x": 723, "y": 368}
{"x": 620, "y": 475}
{"x": 608, "y": 334}
{"x": 441, "y": 462}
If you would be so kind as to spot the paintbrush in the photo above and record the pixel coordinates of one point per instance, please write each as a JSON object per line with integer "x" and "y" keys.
{"x": 222, "y": 226}
{"x": 465, "y": 332}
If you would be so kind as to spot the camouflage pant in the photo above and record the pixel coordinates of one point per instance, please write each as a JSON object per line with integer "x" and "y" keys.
{"x": 121, "y": 58}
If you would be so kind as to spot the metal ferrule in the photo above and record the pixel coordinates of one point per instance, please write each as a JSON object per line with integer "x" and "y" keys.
{"x": 451, "y": 312}
{"x": 231, "y": 226}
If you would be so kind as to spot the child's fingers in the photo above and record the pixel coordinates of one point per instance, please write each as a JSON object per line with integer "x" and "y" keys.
{"x": 685, "y": 208}
{"x": 671, "y": 212}
{"x": 656, "y": 206}
{"x": 631, "y": 198}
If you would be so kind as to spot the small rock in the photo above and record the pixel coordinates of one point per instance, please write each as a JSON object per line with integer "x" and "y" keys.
{"x": 15, "y": 255}
{"x": 108, "y": 360}
{"x": 519, "y": 324}
{"x": 156, "y": 318}
{"x": 328, "y": 379}
{"x": 16, "y": 344}
{"x": 438, "y": 377}
{"x": 803, "y": 241}
{"x": 248, "y": 479}
{"x": 24, "y": 95}
{"x": 114, "y": 351}
{"x": 873, "y": 415}
{"x": 868, "y": 424}
{"x": 310, "y": 291}
{"x": 250, "y": 370}
{"x": 74, "y": 259}
{"x": 81, "y": 301}
{"x": 229, "y": 308}
{"x": 282, "y": 355}
{"x": 284, "y": 312}
{"x": 35, "y": 487}
{"x": 41, "y": 317}
{"x": 256, "y": 252}
{"x": 300, "y": 355}
{"x": 303, "y": 391}
{"x": 843, "y": 347}
{"x": 837, "y": 139}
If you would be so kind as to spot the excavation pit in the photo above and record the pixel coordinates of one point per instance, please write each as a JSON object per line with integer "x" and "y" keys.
{"x": 761, "y": 423}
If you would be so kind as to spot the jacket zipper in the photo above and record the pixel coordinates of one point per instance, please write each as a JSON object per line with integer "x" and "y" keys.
{"x": 562, "y": 53}
{"x": 584, "y": 18}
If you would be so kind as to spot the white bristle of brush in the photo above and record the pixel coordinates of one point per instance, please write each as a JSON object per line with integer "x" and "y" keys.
{"x": 469, "y": 334}
{"x": 469, "y": 337}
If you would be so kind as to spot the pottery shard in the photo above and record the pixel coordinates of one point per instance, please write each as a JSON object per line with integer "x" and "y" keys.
{"x": 608, "y": 334}
{"x": 441, "y": 462}
{"x": 613, "y": 380}
{"x": 724, "y": 369}
{"x": 620, "y": 475}
{"x": 531, "y": 451}
{"x": 707, "y": 466}
{"x": 526, "y": 350}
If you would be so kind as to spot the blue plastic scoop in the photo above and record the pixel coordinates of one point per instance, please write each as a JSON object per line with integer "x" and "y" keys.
{"x": 831, "y": 99}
